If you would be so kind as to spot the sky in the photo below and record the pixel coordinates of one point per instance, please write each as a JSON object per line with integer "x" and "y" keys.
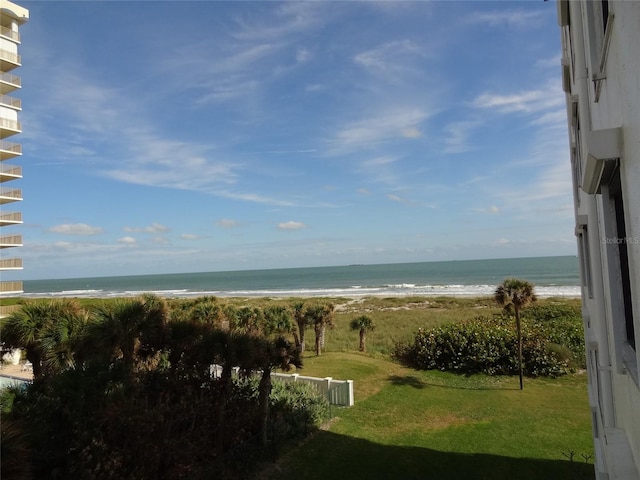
{"x": 166, "y": 137}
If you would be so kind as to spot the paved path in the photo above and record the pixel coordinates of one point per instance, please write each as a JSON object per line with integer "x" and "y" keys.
{"x": 17, "y": 371}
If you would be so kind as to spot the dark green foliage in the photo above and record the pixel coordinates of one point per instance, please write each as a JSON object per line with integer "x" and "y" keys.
{"x": 133, "y": 395}
{"x": 489, "y": 345}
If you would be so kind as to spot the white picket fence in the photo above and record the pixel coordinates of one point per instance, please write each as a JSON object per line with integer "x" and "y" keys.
{"x": 337, "y": 392}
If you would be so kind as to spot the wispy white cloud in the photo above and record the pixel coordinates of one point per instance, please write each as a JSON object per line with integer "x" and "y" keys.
{"x": 393, "y": 58}
{"x": 396, "y": 198}
{"x": 76, "y": 229}
{"x": 528, "y": 101}
{"x": 288, "y": 19}
{"x": 127, "y": 240}
{"x": 457, "y": 139}
{"x": 386, "y": 125}
{"x": 291, "y": 225}
{"x": 228, "y": 223}
{"x": 189, "y": 236}
{"x": 153, "y": 228}
{"x": 509, "y": 18}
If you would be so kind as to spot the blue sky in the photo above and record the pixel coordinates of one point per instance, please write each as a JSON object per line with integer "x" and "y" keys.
{"x": 204, "y": 136}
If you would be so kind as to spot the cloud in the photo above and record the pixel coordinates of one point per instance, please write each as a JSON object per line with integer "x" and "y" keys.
{"x": 396, "y": 198}
{"x": 76, "y": 229}
{"x": 458, "y": 135}
{"x": 227, "y": 223}
{"x": 528, "y": 101}
{"x": 291, "y": 225}
{"x": 127, "y": 240}
{"x": 189, "y": 236}
{"x": 363, "y": 191}
{"x": 509, "y": 18}
{"x": 153, "y": 228}
{"x": 388, "y": 58}
{"x": 386, "y": 125}
{"x": 491, "y": 210}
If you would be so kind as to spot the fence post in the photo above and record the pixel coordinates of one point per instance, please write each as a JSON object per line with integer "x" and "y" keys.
{"x": 351, "y": 399}
{"x": 327, "y": 386}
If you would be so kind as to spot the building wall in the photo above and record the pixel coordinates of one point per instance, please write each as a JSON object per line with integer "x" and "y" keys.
{"x": 601, "y": 78}
{"x": 11, "y": 17}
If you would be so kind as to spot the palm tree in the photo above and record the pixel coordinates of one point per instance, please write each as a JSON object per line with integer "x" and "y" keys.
{"x": 278, "y": 322}
{"x": 320, "y": 316}
{"x": 62, "y": 340}
{"x": 247, "y": 320}
{"x": 364, "y": 324}
{"x": 518, "y": 294}
{"x": 131, "y": 330}
{"x": 302, "y": 322}
{"x": 270, "y": 354}
{"x": 33, "y": 328}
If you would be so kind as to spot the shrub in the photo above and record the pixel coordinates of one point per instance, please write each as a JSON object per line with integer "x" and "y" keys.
{"x": 489, "y": 345}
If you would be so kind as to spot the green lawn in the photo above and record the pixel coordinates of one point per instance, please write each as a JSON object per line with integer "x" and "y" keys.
{"x": 416, "y": 424}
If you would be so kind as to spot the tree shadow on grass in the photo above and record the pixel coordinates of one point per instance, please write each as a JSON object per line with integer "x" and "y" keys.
{"x": 409, "y": 380}
{"x": 415, "y": 382}
{"x": 329, "y": 455}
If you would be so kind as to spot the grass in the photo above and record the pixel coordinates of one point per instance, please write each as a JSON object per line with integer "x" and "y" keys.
{"x": 428, "y": 424}
{"x": 417, "y": 424}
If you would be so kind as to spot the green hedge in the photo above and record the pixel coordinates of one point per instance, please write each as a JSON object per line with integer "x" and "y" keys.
{"x": 550, "y": 346}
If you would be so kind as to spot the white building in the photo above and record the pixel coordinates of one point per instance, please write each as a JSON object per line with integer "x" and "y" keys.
{"x": 11, "y": 18}
{"x": 601, "y": 78}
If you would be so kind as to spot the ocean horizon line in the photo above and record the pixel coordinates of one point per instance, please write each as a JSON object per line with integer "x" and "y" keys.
{"x": 202, "y": 272}
{"x": 552, "y": 276}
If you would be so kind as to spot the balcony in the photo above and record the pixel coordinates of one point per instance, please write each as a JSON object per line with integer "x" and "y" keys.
{"x": 10, "y": 172}
{"x": 9, "y": 127}
{"x": 11, "y": 241}
{"x": 6, "y": 32}
{"x": 6, "y": 310}
{"x": 9, "y": 60}
{"x": 10, "y": 195}
{"x": 11, "y": 102}
{"x": 10, "y": 218}
{"x": 10, "y": 288}
{"x": 9, "y": 150}
{"x": 11, "y": 264}
{"x": 9, "y": 82}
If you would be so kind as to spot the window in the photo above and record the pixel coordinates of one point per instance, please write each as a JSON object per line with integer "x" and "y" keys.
{"x": 585, "y": 258}
{"x": 600, "y": 23}
{"x": 615, "y": 193}
{"x": 618, "y": 281}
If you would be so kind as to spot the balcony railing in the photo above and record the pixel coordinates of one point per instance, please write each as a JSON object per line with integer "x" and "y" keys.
{"x": 11, "y": 264}
{"x": 10, "y": 124}
{"x": 11, "y": 79}
{"x": 11, "y": 102}
{"x": 10, "y": 56}
{"x": 9, "y": 149}
{"x": 7, "y": 218}
{"x": 10, "y": 287}
{"x": 10, "y": 34}
{"x": 6, "y": 310}
{"x": 10, "y": 172}
{"x": 10, "y": 195}
{"x": 11, "y": 241}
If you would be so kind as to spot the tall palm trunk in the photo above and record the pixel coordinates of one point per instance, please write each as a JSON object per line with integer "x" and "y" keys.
{"x": 363, "y": 340}
{"x": 301, "y": 329}
{"x": 225, "y": 391}
{"x": 322, "y": 331}
{"x": 519, "y": 328}
{"x": 264, "y": 390}
{"x": 318, "y": 342}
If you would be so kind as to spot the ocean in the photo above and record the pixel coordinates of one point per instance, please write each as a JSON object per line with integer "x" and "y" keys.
{"x": 552, "y": 277}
